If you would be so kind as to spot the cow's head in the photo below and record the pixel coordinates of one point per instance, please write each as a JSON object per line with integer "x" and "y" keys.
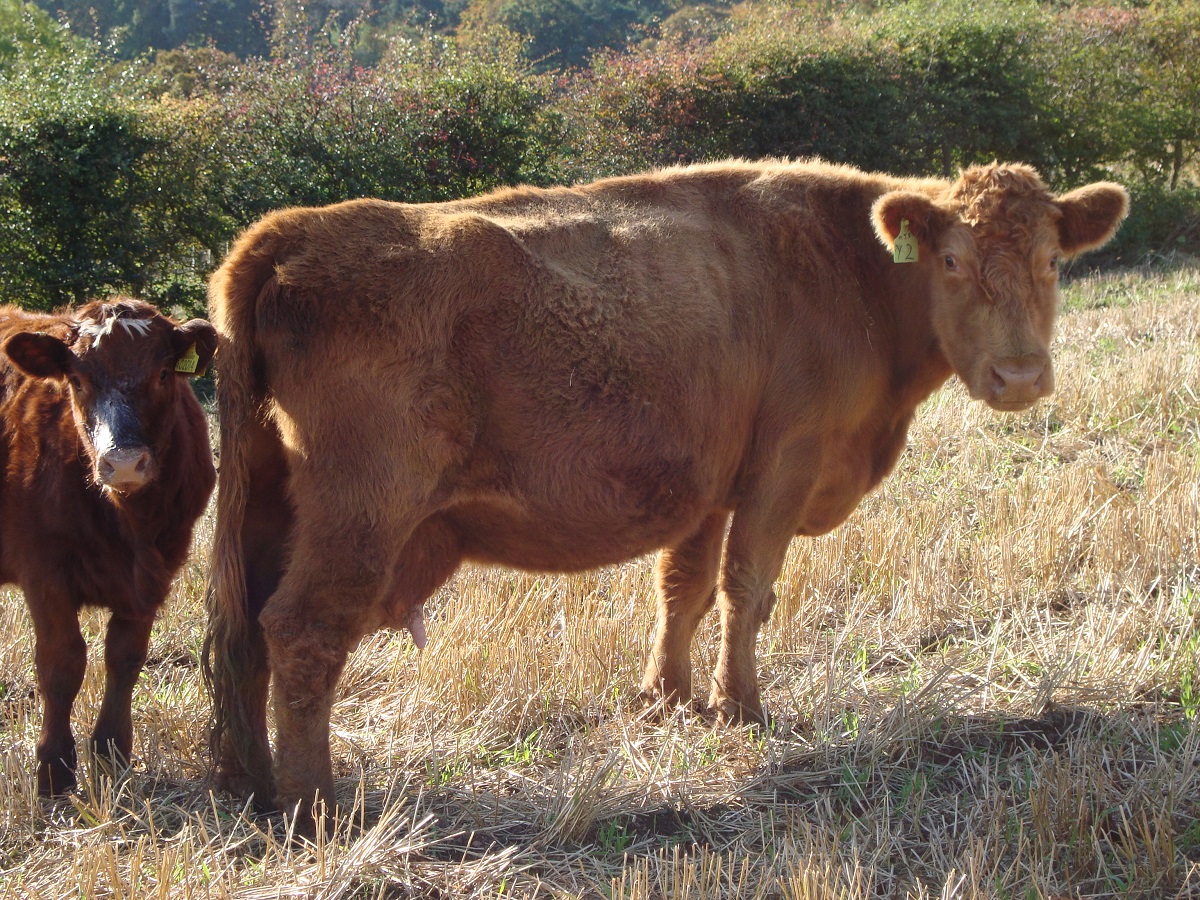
{"x": 991, "y": 248}
{"x": 122, "y": 364}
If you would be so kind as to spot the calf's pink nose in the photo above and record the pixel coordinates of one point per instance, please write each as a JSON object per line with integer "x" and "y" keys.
{"x": 125, "y": 468}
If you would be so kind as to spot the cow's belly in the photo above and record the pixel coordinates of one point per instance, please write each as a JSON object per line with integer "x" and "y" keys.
{"x": 564, "y": 538}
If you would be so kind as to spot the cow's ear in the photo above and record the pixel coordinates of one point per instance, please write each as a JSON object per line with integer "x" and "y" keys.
{"x": 1091, "y": 215}
{"x": 40, "y": 355}
{"x": 198, "y": 337}
{"x": 925, "y": 219}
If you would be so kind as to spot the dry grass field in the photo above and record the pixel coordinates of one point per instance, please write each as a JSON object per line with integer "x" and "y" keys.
{"x": 985, "y": 684}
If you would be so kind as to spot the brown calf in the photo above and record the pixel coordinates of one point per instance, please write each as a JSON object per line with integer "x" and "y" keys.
{"x": 106, "y": 467}
{"x": 561, "y": 379}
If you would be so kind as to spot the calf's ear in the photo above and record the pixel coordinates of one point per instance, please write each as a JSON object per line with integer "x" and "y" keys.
{"x": 1091, "y": 215}
{"x": 925, "y": 219}
{"x": 40, "y": 355}
{"x": 197, "y": 335}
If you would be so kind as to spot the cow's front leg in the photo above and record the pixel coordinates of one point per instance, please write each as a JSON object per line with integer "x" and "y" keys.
{"x": 329, "y": 597}
{"x": 60, "y": 658}
{"x": 754, "y": 555}
{"x": 125, "y": 647}
{"x": 686, "y": 581}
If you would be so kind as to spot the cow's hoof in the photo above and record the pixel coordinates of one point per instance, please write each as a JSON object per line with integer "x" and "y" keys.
{"x": 237, "y": 782}
{"x": 659, "y": 704}
{"x": 308, "y": 818}
{"x": 732, "y": 712}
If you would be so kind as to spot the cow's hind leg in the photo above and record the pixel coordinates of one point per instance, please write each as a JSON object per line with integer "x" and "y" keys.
{"x": 125, "y": 647}
{"x": 242, "y": 752}
{"x": 758, "y": 542}
{"x": 687, "y": 578}
{"x": 60, "y": 658}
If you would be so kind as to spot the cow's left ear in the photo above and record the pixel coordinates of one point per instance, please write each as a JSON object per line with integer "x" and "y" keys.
{"x": 198, "y": 334}
{"x": 1091, "y": 215}
{"x": 926, "y": 219}
{"x": 40, "y": 355}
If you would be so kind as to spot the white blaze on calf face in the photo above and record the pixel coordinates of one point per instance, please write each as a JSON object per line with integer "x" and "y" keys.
{"x": 123, "y": 461}
{"x": 109, "y": 403}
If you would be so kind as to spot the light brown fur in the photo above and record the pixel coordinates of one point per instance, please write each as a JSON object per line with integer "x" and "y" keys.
{"x": 560, "y": 379}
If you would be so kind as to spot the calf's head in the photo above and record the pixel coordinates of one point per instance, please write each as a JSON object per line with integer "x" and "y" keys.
{"x": 991, "y": 248}
{"x": 122, "y": 365}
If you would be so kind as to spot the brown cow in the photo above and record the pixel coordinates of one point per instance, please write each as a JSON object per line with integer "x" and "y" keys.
{"x": 106, "y": 467}
{"x": 561, "y": 379}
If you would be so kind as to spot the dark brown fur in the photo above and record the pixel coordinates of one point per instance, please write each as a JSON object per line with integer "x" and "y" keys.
{"x": 559, "y": 379}
{"x": 70, "y": 536}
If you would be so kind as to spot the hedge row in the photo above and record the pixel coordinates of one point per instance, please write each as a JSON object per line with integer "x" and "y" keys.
{"x": 134, "y": 177}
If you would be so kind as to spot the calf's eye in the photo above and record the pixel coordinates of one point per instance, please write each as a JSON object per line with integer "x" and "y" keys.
{"x": 162, "y": 376}
{"x": 951, "y": 262}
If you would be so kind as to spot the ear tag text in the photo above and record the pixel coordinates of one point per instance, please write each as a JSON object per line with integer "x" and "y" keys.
{"x": 904, "y": 248}
{"x": 188, "y": 362}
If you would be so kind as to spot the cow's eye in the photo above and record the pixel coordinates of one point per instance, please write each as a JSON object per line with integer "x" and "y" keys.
{"x": 76, "y": 382}
{"x": 951, "y": 262}
{"x": 1054, "y": 263}
{"x": 163, "y": 376}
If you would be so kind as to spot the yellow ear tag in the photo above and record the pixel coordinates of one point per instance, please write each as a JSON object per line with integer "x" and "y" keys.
{"x": 904, "y": 248}
{"x": 188, "y": 362}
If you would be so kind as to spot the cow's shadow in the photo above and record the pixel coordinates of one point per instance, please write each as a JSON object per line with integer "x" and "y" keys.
{"x": 799, "y": 773}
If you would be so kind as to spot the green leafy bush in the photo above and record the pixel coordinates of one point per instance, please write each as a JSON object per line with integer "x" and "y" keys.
{"x": 433, "y": 121}
{"x": 1162, "y": 223}
{"x": 70, "y": 188}
{"x": 970, "y": 87}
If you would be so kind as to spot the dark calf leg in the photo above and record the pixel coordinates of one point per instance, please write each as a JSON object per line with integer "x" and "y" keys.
{"x": 248, "y": 772}
{"x": 60, "y": 659}
{"x": 687, "y": 577}
{"x": 125, "y": 647}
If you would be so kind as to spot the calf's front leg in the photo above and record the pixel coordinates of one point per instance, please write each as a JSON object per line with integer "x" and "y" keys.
{"x": 60, "y": 659}
{"x": 125, "y": 647}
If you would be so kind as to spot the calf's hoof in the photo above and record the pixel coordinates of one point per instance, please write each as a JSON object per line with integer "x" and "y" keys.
{"x": 55, "y": 778}
{"x": 111, "y": 758}
{"x": 658, "y": 702}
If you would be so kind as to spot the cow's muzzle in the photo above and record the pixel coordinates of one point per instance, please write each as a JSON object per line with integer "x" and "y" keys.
{"x": 1016, "y": 382}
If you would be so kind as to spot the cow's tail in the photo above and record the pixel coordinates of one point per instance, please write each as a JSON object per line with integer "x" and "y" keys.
{"x": 234, "y": 657}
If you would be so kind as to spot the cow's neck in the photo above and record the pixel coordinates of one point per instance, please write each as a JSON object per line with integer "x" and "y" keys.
{"x": 903, "y": 307}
